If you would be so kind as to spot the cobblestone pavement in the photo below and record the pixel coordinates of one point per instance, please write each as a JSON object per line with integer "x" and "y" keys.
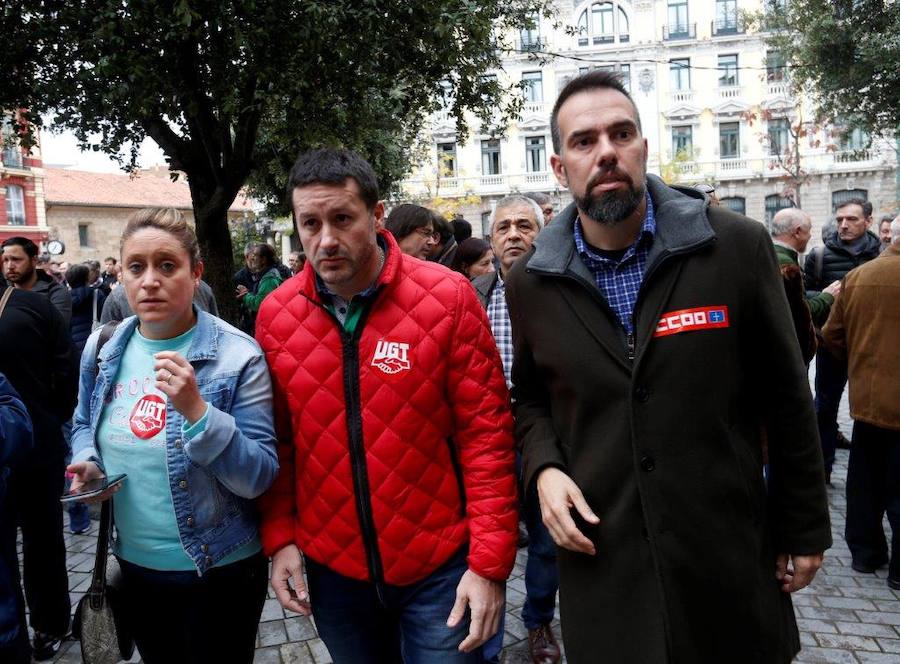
{"x": 843, "y": 617}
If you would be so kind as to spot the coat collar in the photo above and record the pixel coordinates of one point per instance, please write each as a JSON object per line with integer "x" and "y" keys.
{"x": 681, "y": 225}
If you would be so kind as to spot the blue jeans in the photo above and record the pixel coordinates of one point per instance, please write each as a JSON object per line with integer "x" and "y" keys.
{"x": 364, "y": 624}
{"x": 831, "y": 377}
{"x": 541, "y": 575}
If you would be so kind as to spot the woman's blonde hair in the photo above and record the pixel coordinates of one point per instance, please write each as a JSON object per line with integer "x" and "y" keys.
{"x": 171, "y": 221}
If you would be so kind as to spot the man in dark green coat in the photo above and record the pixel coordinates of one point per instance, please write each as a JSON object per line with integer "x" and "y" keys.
{"x": 653, "y": 346}
{"x": 791, "y": 229}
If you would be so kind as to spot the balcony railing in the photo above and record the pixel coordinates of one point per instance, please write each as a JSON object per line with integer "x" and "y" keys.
{"x": 533, "y": 107}
{"x": 778, "y": 88}
{"x": 493, "y": 180}
{"x": 731, "y": 164}
{"x": 727, "y": 26}
{"x": 850, "y": 156}
{"x": 679, "y": 31}
{"x": 729, "y": 92}
{"x": 539, "y": 177}
{"x": 682, "y": 95}
{"x": 531, "y": 45}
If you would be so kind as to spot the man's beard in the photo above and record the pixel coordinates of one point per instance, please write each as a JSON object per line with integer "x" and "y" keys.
{"x": 614, "y": 206}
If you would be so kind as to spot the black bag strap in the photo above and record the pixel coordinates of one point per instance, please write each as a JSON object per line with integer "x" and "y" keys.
{"x": 97, "y": 590}
{"x": 98, "y": 581}
{"x": 819, "y": 253}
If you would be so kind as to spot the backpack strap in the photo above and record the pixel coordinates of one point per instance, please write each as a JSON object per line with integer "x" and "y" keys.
{"x": 106, "y": 333}
{"x": 819, "y": 254}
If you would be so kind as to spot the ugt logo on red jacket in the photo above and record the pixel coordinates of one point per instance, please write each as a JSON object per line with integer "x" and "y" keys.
{"x": 391, "y": 356}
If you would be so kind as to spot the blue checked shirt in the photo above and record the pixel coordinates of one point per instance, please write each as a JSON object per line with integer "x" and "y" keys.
{"x": 619, "y": 282}
{"x": 498, "y": 316}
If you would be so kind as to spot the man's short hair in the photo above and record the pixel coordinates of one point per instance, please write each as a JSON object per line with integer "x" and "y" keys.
{"x": 592, "y": 80}
{"x": 29, "y": 247}
{"x": 331, "y": 166}
{"x": 442, "y": 227}
{"x": 407, "y": 217}
{"x": 110, "y": 259}
{"x": 864, "y": 204}
{"x": 539, "y": 197}
{"x": 515, "y": 199}
{"x": 787, "y": 220}
{"x": 462, "y": 229}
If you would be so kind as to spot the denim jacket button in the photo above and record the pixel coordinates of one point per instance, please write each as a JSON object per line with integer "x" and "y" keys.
{"x": 178, "y": 443}
{"x": 190, "y": 521}
{"x": 204, "y": 548}
{"x": 182, "y": 484}
{"x": 208, "y": 560}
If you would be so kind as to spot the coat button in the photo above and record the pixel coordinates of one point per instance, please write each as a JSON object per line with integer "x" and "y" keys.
{"x": 204, "y": 548}
{"x": 647, "y": 463}
{"x": 190, "y": 521}
{"x": 642, "y": 394}
{"x": 182, "y": 484}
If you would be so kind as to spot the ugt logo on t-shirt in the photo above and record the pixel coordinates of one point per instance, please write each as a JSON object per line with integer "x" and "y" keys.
{"x": 148, "y": 417}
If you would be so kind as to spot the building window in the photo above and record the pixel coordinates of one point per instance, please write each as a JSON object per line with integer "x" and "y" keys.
{"x": 729, "y": 140}
{"x": 735, "y": 204}
{"x": 625, "y": 73}
{"x": 779, "y": 136}
{"x": 726, "y": 17}
{"x": 84, "y": 239}
{"x": 486, "y": 225}
{"x": 839, "y": 198}
{"x": 682, "y": 141}
{"x": 678, "y": 18}
{"x": 446, "y": 153}
{"x": 728, "y": 71}
{"x": 15, "y": 205}
{"x": 774, "y": 203}
{"x": 490, "y": 157}
{"x": 775, "y": 67}
{"x": 530, "y": 37}
{"x": 533, "y": 86}
{"x": 535, "y": 154}
{"x": 680, "y": 74}
{"x": 597, "y": 25}
{"x": 854, "y": 139}
{"x": 602, "y": 23}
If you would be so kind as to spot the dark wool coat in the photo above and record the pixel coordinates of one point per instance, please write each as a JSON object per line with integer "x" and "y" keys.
{"x": 666, "y": 446}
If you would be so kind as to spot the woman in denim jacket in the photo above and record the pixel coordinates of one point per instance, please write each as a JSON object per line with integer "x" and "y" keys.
{"x": 181, "y": 402}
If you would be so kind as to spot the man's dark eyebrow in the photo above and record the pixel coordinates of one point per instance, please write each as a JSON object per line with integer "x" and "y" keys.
{"x": 575, "y": 135}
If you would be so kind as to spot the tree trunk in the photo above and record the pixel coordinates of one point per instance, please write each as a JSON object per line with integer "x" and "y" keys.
{"x": 215, "y": 248}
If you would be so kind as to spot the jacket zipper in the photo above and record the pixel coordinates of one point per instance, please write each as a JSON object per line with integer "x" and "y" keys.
{"x": 361, "y": 488}
{"x": 353, "y": 410}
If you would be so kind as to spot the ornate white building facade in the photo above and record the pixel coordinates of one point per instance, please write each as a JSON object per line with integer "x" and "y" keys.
{"x": 716, "y": 107}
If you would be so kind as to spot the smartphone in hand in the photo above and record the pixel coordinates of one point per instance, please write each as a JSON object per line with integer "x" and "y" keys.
{"x": 93, "y": 488}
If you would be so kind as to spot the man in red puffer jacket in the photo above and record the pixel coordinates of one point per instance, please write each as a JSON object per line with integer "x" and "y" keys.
{"x": 395, "y": 436}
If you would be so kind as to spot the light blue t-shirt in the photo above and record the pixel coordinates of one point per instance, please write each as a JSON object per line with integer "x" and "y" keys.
{"x": 132, "y": 438}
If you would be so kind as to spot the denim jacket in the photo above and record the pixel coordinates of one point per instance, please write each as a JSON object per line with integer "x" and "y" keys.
{"x": 216, "y": 475}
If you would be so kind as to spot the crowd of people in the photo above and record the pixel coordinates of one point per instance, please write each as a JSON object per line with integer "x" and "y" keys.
{"x": 627, "y": 379}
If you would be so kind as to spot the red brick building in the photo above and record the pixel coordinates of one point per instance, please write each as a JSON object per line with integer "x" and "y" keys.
{"x": 22, "y": 209}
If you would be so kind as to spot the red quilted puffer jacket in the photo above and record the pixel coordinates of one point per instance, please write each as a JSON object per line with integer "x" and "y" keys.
{"x": 395, "y": 444}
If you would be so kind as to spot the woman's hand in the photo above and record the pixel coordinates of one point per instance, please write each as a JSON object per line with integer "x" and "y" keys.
{"x": 175, "y": 378}
{"x": 82, "y": 473}
{"x": 241, "y": 291}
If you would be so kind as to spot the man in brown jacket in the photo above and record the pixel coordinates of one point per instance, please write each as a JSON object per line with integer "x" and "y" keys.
{"x": 862, "y": 330}
{"x": 653, "y": 344}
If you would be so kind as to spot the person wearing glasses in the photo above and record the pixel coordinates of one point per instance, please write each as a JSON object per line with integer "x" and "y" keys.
{"x": 413, "y": 228}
